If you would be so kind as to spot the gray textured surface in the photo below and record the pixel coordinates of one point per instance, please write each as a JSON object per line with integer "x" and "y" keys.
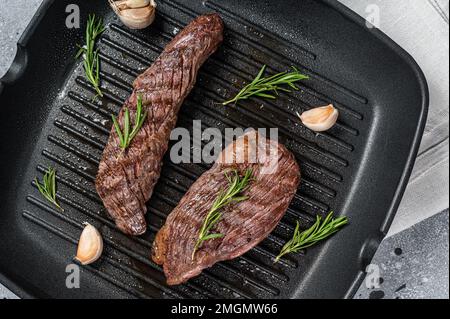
{"x": 6, "y": 294}
{"x": 14, "y": 17}
{"x": 413, "y": 263}
{"x": 423, "y": 266}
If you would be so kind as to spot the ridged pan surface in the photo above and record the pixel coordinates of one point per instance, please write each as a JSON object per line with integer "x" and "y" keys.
{"x": 358, "y": 169}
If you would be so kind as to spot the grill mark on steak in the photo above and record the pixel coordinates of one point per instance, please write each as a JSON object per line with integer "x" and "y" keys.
{"x": 125, "y": 180}
{"x": 275, "y": 181}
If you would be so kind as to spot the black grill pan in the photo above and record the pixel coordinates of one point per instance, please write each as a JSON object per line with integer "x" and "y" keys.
{"x": 359, "y": 168}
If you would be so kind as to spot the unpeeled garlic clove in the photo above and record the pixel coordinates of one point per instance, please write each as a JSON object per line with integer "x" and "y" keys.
{"x": 132, "y": 4}
{"x": 135, "y": 14}
{"x": 138, "y": 18}
{"x": 320, "y": 119}
{"x": 90, "y": 246}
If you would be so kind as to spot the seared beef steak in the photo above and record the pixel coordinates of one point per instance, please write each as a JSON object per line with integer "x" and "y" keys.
{"x": 276, "y": 176}
{"x": 125, "y": 180}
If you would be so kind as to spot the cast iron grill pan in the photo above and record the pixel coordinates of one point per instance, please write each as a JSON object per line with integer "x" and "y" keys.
{"x": 359, "y": 168}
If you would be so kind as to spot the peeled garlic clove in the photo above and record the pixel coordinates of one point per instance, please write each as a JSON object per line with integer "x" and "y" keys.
{"x": 90, "y": 246}
{"x": 320, "y": 119}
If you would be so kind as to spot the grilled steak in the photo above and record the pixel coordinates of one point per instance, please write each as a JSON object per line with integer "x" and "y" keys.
{"x": 125, "y": 180}
{"x": 276, "y": 176}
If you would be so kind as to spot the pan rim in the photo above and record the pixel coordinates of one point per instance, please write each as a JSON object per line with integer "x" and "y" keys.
{"x": 13, "y": 75}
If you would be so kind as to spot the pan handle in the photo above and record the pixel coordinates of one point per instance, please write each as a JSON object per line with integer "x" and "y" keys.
{"x": 21, "y": 59}
{"x": 17, "y": 67}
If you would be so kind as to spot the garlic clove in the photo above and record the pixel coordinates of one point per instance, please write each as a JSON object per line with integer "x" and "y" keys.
{"x": 320, "y": 119}
{"x": 132, "y": 4}
{"x": 90, "y": 245}
{"x": 135, "y": 14}
{"x": 138, "y": 18}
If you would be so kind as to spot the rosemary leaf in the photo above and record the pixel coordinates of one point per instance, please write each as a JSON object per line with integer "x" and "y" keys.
{"x": 262, "y": 87}
{"x": 125, "y": 136}
{"x": 91, "y": 57}
{"x": 237, "y": 185}
{"x": 48, "y": 187}
{"x": 317, "y": 232}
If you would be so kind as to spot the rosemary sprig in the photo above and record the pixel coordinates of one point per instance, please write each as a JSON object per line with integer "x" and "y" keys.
{"x": 263, "y": 86}
{"x": 125, "y": 136}
{"x": 91, "y": 58}
{"x": 237, "y": 185}
{"x": 48, "y": 186}
{"x": 319, "y": 231}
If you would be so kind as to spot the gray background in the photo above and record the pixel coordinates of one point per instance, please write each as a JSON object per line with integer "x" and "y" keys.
{"x": 413, "y": 259}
